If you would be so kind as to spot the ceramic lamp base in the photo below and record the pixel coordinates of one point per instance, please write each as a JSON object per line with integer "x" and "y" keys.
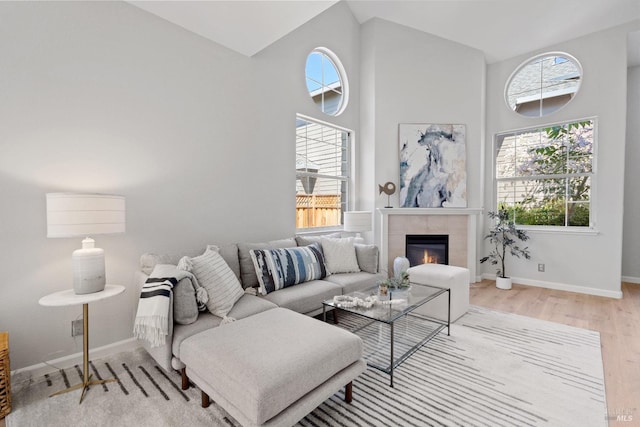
{"x": 88, "y": 270}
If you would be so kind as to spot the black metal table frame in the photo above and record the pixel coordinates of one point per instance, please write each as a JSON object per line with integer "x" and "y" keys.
{"x": 393, "y": 363}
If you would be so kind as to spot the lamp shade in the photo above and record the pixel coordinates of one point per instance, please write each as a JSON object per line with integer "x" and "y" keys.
{"x": 357, "y": 221}
{"x": 73, "y": 215}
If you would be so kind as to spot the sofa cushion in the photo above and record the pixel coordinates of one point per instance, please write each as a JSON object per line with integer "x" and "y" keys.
{"x": 305, "y": 297}
{"x": 182, "y": 332}
{"x": 247, "y": 271}
{"x": 281, "y": 268}
{"x": 149, "y": 260}
{"x": 307, "y": 240}
{"x": 246, "y": 306}
{"x": 230, "y": 255}
{"x": 340, "y": 255}
{"x": 351, "y": 282}
{"x": 266, "y": 363}
{"x": 367, "y": 256}
{"x": 215, "y": 275}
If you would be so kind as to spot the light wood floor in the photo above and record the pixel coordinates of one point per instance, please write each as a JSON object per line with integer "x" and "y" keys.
{"x": 617, "y": 320}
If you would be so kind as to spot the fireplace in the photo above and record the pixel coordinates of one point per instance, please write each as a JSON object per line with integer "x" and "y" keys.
{"x": 460, "y": 224}
{"x": 427, "y": 249}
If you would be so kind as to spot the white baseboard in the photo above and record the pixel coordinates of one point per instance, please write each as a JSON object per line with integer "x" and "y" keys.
{"x": 630, "y": 279}
{"x": 561, "y": 287}
{"x": 24, "y": 374}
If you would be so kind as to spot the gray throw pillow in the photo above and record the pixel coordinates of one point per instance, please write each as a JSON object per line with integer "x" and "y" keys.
{"x": 367, "y": 257}
{"x": 185, "y": 306}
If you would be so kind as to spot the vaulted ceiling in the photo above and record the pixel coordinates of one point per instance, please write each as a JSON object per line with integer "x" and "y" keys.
{"x": 501, "y": 29}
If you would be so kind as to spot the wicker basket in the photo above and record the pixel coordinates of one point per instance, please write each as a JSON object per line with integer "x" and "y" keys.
{"x": 5, "y": 375}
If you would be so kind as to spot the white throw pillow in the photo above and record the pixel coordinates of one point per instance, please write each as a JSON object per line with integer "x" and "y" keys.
{"x": 214, "y": 274}
{"x": 340, "y": 255}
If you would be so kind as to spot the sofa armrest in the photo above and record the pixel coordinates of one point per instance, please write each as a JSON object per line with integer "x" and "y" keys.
{"x": 162, "y": 354}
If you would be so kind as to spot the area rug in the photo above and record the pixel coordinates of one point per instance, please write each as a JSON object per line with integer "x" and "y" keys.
{"x": 496, "y": 369}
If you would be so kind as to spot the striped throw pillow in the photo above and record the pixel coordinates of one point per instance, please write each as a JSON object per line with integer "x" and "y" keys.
{"x": 280, "y": 268}
{"x": 214, "y": 274}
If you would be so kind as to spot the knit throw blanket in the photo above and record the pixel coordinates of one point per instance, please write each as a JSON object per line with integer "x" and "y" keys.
{"x": 152, "y": 318}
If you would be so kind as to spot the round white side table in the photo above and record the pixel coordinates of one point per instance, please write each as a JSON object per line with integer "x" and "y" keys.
{"x": 68, "y": 297}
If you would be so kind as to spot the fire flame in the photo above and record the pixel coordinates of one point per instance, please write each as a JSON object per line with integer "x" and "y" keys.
{"x": 427, "y": 259}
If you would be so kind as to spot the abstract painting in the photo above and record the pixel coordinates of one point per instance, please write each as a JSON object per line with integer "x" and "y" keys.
{"x": 433, "y": 171}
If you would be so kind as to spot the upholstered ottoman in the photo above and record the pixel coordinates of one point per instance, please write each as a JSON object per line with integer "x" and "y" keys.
{"x": 272, "y": 368}
{"x": 443, "y": 276}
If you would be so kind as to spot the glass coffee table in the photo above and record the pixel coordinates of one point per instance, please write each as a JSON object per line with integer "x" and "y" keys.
{"x": 392, "y": 330}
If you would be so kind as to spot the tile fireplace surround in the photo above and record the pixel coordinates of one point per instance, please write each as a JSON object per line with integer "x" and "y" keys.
{"x": 461, "y": 224}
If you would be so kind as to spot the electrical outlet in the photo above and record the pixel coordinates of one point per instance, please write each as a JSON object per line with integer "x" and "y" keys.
{"x": 77, "y": 327}
{"x": 541, "y": 268}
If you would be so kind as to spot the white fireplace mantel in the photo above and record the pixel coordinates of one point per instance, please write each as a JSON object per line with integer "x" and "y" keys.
{"x": 471, "y": 239}
{"x": 429, "y": 211}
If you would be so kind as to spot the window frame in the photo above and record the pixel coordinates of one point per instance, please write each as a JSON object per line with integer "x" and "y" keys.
{"x": 346, "y": 179}
{"x": 556, "y": 229}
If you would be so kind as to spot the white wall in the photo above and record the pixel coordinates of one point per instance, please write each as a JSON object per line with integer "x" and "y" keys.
{"x": 588, "y": 263}
{"x": 103, "y": 97}
{"x": 412, "y": 77}
{"x": 631, "y": 239}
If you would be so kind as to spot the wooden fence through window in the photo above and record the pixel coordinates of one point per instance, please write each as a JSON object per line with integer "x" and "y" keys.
{"x": 317, "y": 210}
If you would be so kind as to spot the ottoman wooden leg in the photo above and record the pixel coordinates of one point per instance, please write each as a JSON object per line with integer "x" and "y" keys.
{"x": 348, "y": 392}
{"x": 205, "y": 400}
{"x": 185, "y": 379}
{"x": 335, "y": 316}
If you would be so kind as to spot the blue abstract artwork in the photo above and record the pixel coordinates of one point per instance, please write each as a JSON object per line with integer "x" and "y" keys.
{"x": 433, "y": 171}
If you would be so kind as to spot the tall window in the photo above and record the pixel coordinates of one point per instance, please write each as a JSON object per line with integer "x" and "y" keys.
{"x": 544, "y": 175}
{"x": 322, "y": 173}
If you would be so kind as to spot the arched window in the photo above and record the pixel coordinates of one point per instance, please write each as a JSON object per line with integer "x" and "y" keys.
{"x": 326, "y": 81}
{"x": 543, "y": 84}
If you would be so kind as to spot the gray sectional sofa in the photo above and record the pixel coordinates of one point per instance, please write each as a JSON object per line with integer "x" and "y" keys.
{"x": 306, "y": 298}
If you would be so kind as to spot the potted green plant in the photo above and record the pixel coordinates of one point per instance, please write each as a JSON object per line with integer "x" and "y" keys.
{"x": 398, "y": 285}
{"x": 504, "y": 237}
